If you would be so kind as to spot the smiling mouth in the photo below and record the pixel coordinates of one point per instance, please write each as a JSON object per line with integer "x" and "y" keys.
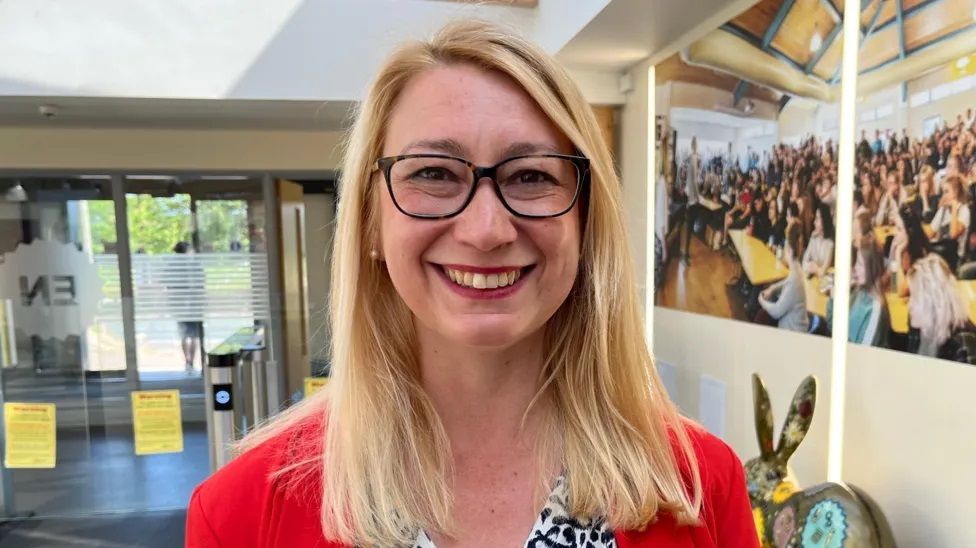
{"x": 482, "y": 280}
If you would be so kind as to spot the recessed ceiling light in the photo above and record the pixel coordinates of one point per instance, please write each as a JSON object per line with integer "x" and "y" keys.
{"x": 816, "y": 40}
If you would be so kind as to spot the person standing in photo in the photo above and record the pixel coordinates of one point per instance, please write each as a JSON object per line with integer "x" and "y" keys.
{"x": 694, "y": 209}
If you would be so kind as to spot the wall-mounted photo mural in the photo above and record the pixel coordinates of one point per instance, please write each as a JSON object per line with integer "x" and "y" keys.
{"x": 747, "y": 157}
{"x": 914, "y": 273}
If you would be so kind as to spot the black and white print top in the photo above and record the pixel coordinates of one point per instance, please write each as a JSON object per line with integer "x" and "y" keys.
{"x": 555, "y": 528}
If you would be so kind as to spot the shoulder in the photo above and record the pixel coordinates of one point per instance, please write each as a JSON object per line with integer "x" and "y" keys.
{"x": 718, "y": 465}
{"x": 239, "y": 505}
{"x": 725, "y": 518}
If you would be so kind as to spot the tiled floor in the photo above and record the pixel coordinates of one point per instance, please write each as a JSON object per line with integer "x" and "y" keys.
{"x": 137, "y": 530}
{"x": 99, "y": 473}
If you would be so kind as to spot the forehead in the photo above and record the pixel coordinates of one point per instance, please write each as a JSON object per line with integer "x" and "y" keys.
{"x": 479, "y": 111}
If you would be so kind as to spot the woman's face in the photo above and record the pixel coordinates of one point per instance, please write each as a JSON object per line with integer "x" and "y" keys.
{"x": 892, "y": 183}
{"x": 484, "y": 117}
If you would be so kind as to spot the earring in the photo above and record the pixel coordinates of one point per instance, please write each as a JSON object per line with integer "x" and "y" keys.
{"x": 373, "y": 254}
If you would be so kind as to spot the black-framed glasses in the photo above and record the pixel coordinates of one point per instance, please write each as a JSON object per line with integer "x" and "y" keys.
{"x": 438, "y": 186}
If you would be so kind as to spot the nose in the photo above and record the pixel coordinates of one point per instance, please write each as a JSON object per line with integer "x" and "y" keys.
{"x": 485, "y": 224}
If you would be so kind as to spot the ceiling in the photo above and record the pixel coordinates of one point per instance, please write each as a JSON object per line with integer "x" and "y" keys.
{"x": 626, "y": 32}
{"x": 788, "y": 26}
{"x": 675, "y": 69}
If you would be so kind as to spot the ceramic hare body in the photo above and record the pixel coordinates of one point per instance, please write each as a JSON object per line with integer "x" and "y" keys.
{"x": 828, "y": 515}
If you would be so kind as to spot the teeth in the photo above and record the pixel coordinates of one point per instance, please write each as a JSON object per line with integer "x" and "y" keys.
{"x": 478, "y": 280}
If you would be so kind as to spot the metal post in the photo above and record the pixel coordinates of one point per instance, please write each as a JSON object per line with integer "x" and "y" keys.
{"x": 254, "y": 397}
{"x": 220, "y": 406}
{"x": 259, "y": 393}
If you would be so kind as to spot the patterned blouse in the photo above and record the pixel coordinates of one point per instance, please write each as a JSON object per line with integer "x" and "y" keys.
{"x": 555, "y": 528}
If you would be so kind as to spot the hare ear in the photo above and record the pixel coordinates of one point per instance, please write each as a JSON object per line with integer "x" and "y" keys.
{"x": 798, "y": 419}
{"x": 764, "y": 416}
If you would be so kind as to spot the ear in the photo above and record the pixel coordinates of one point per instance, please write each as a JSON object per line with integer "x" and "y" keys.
{"x": 764, "y": 416}
{"x": 798, "y": 419}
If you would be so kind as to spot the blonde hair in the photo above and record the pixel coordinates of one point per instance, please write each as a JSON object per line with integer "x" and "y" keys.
{"x": 385, "y": 458}
{"x": 934, "y": 298}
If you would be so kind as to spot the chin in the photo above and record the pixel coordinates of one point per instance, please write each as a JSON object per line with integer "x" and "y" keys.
{"x": 492, "y": 336}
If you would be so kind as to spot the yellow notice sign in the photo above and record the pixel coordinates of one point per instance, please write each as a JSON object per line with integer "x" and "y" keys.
{"x": 29, "y": 430}
{"x": 157, "y": 422}
{"x": 314, "y": 384}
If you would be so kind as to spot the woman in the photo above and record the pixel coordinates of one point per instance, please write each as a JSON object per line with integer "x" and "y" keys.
{"x": 861, "y": 228}
{"x": 867, "y": 322}
{"x": 760, "y": 226}
{"x": 891, "y": 200}
{"x": 927, "y": 193}
{"x": 935, "y": 309}
{"x": 785, "y": 301}
{"x": 909, "y": 244}
{"x": 488, "y": 349}
{"x": 870, "y": 189}
{"x": 819, "y": 256}
{"x": 950, "y": 225}
{"x": 739, "y": 216}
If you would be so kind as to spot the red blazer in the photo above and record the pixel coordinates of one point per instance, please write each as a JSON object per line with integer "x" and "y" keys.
{"x": 240, "y": 507}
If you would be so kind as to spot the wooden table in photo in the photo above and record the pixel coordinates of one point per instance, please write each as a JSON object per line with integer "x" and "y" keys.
{"x": 758, "y": 262}
{"x": 816, "y": 299}
{"x": 898, "y": 306}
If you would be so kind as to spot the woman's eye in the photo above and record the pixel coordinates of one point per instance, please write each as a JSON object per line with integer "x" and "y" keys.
{"x": 531, "y": 177}
{"x": 432, "y": 173}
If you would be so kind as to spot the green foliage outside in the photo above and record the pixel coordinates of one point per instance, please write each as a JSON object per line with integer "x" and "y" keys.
{"x": 157, "y": 224}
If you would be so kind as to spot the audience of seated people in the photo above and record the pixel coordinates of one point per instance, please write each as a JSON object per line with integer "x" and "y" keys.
{"x": 911, "y": 204}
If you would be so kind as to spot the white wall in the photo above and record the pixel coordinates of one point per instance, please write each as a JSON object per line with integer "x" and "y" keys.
{"x": 797, "y": 120}
{"x": 633, "y": 168}
{"x": 167, "y": 149}
{"x": 948, "y": 107}
{"x": 910, "y": 443}
{"x": 599, "y": 88}
{"x": 731, "y": 352}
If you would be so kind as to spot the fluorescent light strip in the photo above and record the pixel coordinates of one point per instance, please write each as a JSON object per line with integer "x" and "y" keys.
{"x": 842, "y": 259}
{"x": 651, "y": 188}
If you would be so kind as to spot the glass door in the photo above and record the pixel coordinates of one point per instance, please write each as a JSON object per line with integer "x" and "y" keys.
{"x": 111, "y": 291}
{"x": 59, "y": 286}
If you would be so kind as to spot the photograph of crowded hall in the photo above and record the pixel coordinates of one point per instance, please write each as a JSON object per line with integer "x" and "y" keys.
{"x": 488, "y": 273}
{"x": 749, "y": 188}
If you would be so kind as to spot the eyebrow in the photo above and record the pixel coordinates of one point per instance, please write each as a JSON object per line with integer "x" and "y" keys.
{"x": 455, "y": 148}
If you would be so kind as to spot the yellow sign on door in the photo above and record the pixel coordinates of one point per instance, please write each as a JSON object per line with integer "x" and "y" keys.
{"x": 157, "y": 422}
{"x": 30, "y": 435}
{"x": 314, "y": 384}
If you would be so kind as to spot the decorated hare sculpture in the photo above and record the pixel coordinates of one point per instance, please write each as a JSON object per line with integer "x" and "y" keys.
{"x": 830, "y": 514}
